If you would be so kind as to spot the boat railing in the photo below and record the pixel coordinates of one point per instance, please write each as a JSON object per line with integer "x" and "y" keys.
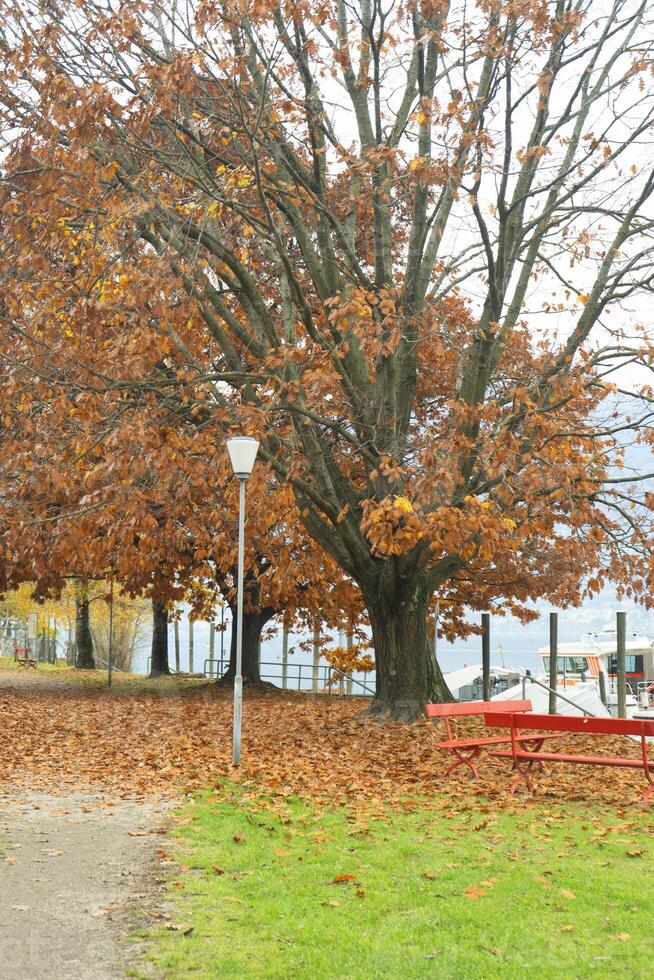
{"x": 532, "y": 680}
{"x": 645, "y": 693}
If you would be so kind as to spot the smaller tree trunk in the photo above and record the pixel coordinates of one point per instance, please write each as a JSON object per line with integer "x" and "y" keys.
{"x": 190, "y": 645}
{"x": 253, "y": 624}
{"x": 159, "y": 657}
{"x": 84, "y": 659}
{"x": 177, "y": 667}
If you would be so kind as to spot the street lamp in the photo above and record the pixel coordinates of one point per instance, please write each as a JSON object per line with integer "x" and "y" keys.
{"x": 242, "y": 453}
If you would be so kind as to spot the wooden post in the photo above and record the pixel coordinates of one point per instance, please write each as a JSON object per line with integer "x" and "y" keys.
{"x": 621, "y": 651}
{"x": 485, "y": 654}
{"x": 190, "y": 645}
{"x": 212, "y": 647}
{"x": 602, "y": 688}
{"x": 177, "y": 666}
{"x": 554, "y": 653}
{"x": 284, "y": 657}
{"x": 316, "y": 660}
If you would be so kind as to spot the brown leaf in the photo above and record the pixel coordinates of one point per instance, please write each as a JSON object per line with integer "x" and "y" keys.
{"x": 473, "y": 892}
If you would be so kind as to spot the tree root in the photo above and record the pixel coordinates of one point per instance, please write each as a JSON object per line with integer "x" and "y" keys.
{"x": 406, "y": 711}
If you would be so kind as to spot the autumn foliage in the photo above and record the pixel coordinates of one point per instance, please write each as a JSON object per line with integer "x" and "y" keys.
{"x": 422, "y": 302}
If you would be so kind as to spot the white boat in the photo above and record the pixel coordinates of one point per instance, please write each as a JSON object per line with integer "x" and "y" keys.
{"x": 596, "y": 654}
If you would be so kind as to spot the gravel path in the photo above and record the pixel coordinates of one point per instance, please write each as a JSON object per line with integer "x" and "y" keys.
{"x": 76, "y": 873}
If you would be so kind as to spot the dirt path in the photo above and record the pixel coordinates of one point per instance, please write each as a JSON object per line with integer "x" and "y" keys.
{"x": 76, "y": 872}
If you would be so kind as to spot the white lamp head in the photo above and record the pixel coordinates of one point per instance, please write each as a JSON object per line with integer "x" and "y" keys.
{"x": 242, "y": 453}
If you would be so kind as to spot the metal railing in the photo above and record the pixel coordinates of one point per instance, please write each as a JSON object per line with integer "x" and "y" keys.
{"x": 105, "y": 663}
{"x": 550, "y": 690}
{"x": 317, "y": 679}
{"x": 148, "y": 664}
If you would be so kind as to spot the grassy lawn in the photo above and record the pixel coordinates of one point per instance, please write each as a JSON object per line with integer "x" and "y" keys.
{"x": 122, "y": 682}
{"x": 271, "y": 887}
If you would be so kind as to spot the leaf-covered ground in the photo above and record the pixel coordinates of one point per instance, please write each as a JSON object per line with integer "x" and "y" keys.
{"x": 65, "y": 729}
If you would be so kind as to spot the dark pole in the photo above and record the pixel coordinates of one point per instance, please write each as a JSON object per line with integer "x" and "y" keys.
{"x": 222, "y": 637}
{"x": 485, "y": 654}
{"x": 176, "y": 635}
{"x": 111, "y": 634}
{"x": 621, "y": 651}
{"x": 554, "y": 651}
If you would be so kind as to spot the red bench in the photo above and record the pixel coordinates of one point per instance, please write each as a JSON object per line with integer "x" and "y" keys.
{"x": 23, "y": 657}
{"x": 468, "y": 749}
{"x": 524, "y": 758}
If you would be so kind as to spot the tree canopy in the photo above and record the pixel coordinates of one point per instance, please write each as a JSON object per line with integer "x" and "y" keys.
{"x": 404, "y": 244}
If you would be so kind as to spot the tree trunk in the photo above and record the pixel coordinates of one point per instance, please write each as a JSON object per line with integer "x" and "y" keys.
{"x": 159, "y": 658}
{"x": 407, "y": 674}
{"x": 84, "y": 659}
{"x": 253, "y": 624}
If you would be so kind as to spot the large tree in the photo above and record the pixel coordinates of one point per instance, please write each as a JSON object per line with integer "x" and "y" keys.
{"x": 411, "y": 239}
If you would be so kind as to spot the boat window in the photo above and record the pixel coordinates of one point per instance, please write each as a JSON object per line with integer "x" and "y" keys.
{"x": 633, "y": 664}
{"x": 568, "y": 665}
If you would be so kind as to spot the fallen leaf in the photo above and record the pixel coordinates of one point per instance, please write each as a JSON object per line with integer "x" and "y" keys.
{"x": 176, "y": 927}
{"x": 343, "y": 879}
{"x": 473, "y": 892}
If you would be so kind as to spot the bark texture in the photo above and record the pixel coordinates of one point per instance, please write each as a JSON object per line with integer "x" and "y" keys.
{"x": 159, "y": 655}
{"x": 84, "y": 659}
{"x": 407, "y": 674}
{"x": 253, "y": 624}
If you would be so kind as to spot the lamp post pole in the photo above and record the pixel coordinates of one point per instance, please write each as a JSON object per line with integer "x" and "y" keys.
{"x": 242, "y": 453}
{"x": 238, "y": 678}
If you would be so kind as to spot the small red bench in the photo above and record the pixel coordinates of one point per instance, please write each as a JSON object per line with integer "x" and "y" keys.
{"x": 524, "y": 758}
{"x": 23, "y": 657}
{"x": 468, "y": 749}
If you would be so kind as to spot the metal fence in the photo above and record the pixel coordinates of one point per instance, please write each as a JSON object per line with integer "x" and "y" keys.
{"x": 315, "y": 679}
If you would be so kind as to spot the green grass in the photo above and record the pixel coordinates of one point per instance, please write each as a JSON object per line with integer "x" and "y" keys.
{"x": 435, "y": 893}
{"x": 8, "y": 663}
{"x": 122, "y": 683}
